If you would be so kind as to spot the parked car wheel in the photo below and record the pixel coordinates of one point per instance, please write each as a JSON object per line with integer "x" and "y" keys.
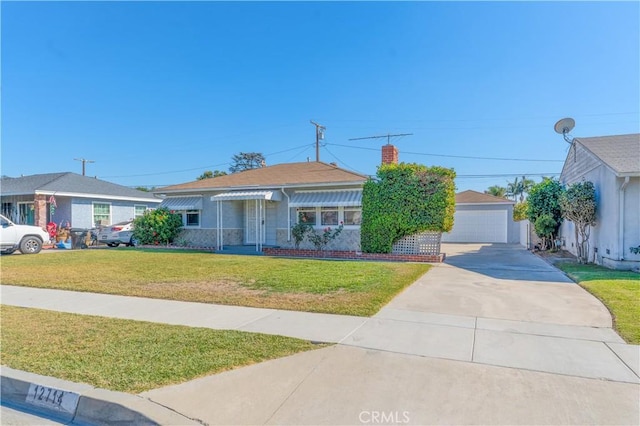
{"x": 132, "y": 242}
{"x": 113, "y": 244}
{"x": 30, "y": 245}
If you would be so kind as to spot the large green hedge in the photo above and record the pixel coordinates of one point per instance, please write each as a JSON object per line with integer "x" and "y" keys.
{"x": 405, "y": 199}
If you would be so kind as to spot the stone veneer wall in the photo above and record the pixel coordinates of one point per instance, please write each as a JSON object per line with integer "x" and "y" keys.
{"x": 208, "y": 237}
{"x": 349, "y": 239}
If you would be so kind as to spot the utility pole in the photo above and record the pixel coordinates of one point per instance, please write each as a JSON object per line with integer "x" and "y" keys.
{"x": 84, "y": 161}
{"x": 319, "y": 136}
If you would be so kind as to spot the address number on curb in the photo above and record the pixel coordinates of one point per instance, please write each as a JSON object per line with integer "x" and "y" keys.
{"x": 52, "y": 398}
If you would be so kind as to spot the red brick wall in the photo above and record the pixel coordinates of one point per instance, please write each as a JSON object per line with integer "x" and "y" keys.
{"x": 389, "y": 154}
{"x": 40, "y": 213}
{"x": 354, "y": 255}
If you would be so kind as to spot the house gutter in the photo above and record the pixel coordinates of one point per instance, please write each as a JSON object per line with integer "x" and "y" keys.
{"x": 621, "y": 218}
{"x": 288, "y": 215}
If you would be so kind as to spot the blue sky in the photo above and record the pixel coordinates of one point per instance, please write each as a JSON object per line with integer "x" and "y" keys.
{"x": 158, "y": 92}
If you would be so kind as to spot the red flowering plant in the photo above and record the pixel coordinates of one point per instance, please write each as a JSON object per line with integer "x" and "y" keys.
{"x": 320, "y": 241}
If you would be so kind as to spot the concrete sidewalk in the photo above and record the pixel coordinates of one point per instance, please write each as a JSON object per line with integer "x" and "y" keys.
{"x": 494, "y": 336}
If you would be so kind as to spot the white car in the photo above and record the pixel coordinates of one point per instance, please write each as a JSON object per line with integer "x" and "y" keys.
{"x": 116, "y": 234}
{"x": 26, "y": 238}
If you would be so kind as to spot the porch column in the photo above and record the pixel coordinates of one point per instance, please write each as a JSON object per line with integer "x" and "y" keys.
{"x": 219, "y": 228}
{"x": 40, "y": 213}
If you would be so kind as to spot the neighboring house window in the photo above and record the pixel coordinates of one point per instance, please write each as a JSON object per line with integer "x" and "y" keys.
{"x": 329, "y": 216}
{"x": 101, "y": 214}
{"x": 138, "y": 210}
{"x": 352, "y": 216}
{"x": 26, "y": 214}
{"x": 9, "y": 211}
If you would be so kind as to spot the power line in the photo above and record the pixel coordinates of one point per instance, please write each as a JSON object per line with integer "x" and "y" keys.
{"x": 452, "y": 156}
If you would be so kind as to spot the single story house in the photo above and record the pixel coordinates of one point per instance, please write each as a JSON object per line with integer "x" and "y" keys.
{"x": 83, "y": 202}
{"x": 483, "y": 218}
{"x": 259, "y": 206}
{"x": 612, "y": 164}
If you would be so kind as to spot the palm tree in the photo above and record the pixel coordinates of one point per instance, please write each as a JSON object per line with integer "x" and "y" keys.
{"x": 518, "y": 188}
{"x": 497, "y": 191}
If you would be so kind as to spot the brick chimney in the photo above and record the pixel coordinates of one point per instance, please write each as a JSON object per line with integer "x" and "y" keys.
{"x": 389, "y": 154}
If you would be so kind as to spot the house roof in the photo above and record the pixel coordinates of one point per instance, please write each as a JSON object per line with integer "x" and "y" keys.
{"x": 475, "y": 197}
{"x": 70, "y": 184}
{"x": 287, "y": 174}
{"x": 621, "y": 152}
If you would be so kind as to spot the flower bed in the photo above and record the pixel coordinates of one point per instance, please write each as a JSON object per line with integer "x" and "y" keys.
{"x": 353, "y": 255}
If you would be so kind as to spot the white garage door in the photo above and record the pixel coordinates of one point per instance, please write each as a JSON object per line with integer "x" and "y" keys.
{"x": 479, "y": 226}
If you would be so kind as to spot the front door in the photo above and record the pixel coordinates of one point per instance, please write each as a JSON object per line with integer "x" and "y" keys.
{"x": 254, "y": 229}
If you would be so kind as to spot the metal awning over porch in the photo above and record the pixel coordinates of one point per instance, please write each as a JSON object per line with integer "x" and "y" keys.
{"x": 344, "y": 198}
{"x": 248, "y": 195}
{"x": 182, "y": 203}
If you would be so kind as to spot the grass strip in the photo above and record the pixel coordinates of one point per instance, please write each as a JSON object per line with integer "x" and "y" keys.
{"x": 327, "y": 286}
{"x": 128, "y": 356}
{"x": 618, "y": 290}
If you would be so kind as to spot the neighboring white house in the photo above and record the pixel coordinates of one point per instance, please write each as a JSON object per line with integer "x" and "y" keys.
{"x": 612, "y": 163}
{"x": 482, "y": 218}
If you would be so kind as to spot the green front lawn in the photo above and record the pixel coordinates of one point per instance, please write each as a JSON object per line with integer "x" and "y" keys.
{"x": 618, "y": 290}
{"x": 340, "y": 287}
{"x": 128, "y": 356}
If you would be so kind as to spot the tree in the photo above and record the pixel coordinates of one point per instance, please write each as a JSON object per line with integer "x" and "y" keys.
{"x": 544, "y": 199}
{"x": 520, "y": 211}
{"x": 578, "y": 204}
{"x": 518, "y": 188}
{"x": 497, "y": 191}
{"x": 247, "y": 161}
{"x": 209, "y": 174}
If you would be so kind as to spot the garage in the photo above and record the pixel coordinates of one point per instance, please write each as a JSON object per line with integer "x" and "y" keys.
{"x": 482, "y": 218}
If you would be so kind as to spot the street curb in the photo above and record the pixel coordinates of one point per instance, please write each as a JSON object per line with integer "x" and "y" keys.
{"x": 94, "y": 407}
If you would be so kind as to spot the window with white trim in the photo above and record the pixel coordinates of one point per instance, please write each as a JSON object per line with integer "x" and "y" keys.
{"x": 330, "y": 216}
{"x": 307, "y": 215}
{"x": 190, "y": 218}
{"x": 101, "y": 214}
{"x": 138, "y": 210}
{"x": 352, "y": 216}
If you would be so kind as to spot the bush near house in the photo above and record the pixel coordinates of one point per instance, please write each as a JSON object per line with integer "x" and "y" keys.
{"x": 405, "y": 199}
{"x": 159, "y": 226}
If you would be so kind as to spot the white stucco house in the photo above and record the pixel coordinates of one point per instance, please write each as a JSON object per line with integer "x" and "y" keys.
{"x": 612, "y": 163}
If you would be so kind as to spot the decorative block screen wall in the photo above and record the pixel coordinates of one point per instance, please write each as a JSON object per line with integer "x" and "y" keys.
{"x": 422, "y": 243}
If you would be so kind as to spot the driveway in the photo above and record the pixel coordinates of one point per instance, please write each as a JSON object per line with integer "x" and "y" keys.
{"x": 493, "y": 336}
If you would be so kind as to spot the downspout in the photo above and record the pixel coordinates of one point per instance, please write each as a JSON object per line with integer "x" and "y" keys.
{"x": 621, "y": 219}
{"x": 288, "y": 215}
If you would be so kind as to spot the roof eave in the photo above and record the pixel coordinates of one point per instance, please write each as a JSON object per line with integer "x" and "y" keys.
{"x": 261, "y": 187}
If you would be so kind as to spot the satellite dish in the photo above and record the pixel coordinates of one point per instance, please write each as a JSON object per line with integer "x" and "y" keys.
{"x": 564, "y": 126}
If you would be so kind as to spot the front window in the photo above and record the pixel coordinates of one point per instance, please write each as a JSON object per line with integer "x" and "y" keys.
{"x": 329, "y": 216}
{"x": 191, "y": 218}
{"x": 352, "y": 216}
{"x": 101, "y": 214}
{"x": 307, "y": 215}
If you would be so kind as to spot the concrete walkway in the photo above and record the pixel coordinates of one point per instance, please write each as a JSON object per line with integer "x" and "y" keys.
{"x": 493, "y": 336}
